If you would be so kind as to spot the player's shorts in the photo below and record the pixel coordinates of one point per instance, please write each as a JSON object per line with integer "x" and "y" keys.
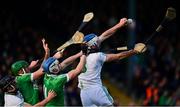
{"x": 96, "y": 96}
{"x": 14, "y": 100}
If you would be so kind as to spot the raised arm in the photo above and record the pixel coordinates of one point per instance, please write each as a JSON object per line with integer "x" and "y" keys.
{"x": 73, "y": 73}
{"x": 40, "y": 72}
{"x": 70, "y": 60}
{"x": 33, "y": 64}
{"x": 112, "y": 30}
{"x": 46, "y": 49}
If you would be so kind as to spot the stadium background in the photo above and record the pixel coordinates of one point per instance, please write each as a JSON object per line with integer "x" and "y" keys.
{"x": 24, "y": 23}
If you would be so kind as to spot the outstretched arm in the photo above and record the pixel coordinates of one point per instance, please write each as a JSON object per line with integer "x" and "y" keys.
{"x": 46, "y": 49}
{"x": 40, "y": 72}
{"x": 112, "y": 30}
{"x": 69, "y": 60}
{"x": 73, "y": 73}
{"x": 118, "y": 56}
{"x": 138, "y": 48}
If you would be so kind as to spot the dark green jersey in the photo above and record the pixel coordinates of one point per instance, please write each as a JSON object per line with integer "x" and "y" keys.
{"x": 56, "y": 83}
{"x": 28, "y": 88}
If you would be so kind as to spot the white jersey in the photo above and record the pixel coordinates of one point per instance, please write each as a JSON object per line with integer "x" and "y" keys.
{"x": 92, "y": 75}
{"x": 14, "y": 100}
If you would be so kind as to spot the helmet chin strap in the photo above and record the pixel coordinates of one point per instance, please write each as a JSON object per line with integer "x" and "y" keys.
{"x": 23, "y": 71}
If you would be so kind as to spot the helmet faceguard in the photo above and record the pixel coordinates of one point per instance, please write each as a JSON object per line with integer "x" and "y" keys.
{"x": 91, "y": 40}
{"x": 51, "y": 66}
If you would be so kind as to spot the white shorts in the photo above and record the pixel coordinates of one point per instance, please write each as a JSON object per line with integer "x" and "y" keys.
{"x": 96, "y": 96}
{"x": 13, "y": 100}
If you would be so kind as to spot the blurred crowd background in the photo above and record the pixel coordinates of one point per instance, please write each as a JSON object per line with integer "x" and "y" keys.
{"x": 154, "y": 78}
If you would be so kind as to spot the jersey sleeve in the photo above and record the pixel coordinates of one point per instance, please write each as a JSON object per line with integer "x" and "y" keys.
{"x": 102, "y": 57}
{"x": 63, "y": 78}
{"x": 67, "y": 77}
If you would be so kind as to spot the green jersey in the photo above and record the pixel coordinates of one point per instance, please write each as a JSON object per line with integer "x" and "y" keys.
{"x": 56, "y": 83}
{"x": 28, "y": 88}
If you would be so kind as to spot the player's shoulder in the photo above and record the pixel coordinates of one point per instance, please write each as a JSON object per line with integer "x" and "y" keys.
{"x": 101, "y": 54}
{"x": 24, "y": 76}
{"x": 97, "y": 54}
{"x": 22, "y": 81}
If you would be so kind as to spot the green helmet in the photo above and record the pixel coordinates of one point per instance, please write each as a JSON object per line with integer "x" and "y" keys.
{"x": 15, "y": 67}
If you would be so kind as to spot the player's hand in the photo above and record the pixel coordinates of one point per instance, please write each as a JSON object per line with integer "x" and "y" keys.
{"x": 84, "y": 48}
{"x": 51, "y": 94}
{"x": 122, "y": 22}
{"x": 33, "y": 64}
{"x": 140, "y": 48}
{"x": 58, "y": 54}
{"x": 45, "y": 46}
